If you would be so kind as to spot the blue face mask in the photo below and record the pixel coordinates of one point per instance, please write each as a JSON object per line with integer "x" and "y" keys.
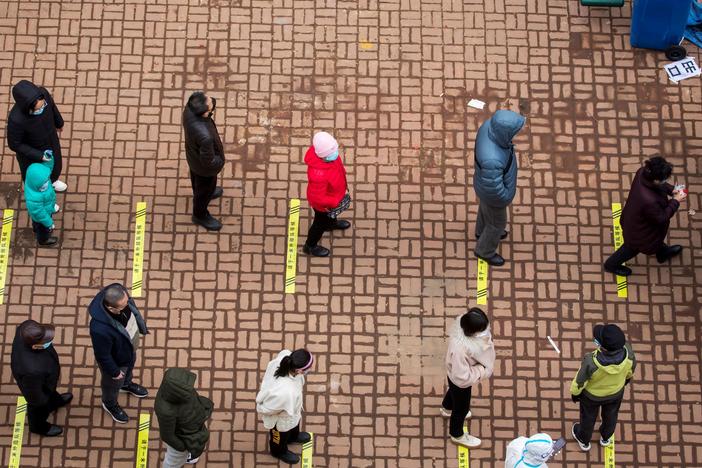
{"x": 47, "y": 344}
{"x": 332, "y": 157}
{"x": 41, "y": 109}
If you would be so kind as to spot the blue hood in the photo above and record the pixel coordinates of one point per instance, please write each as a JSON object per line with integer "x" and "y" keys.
{"x": 504, "y": 125}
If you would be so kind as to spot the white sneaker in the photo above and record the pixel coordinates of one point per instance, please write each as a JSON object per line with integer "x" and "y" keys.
{"x": 191, "y": 461}
{"x": 56, "y": 208}
{"x": 605, "y": 443}
{"x": 447, "y": 414}
{"x": 583, "y": 447}
{"x": 467, "y": 440}
{"x": 60, "y": 186}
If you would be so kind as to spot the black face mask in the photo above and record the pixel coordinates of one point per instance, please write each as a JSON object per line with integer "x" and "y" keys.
{"x": 214, "y": 105}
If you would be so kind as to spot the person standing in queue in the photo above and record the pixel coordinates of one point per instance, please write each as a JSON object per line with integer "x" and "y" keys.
{"x": 205, "y": 154}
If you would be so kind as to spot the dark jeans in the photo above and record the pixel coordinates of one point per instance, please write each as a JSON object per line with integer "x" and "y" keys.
{"x": 322, "y": 222}
{"x": 110, "y": 387}
{"x": 42, "y": 232}
{"x": 490, "y": 225}
{"x": 626, "y": 253}
{"x": 588, "y": 415}
{"x": 457, "y": 400}
{"x": 280, "y": 440}
{"x": 37, "y": 414}
{"x": 203, "y": 188}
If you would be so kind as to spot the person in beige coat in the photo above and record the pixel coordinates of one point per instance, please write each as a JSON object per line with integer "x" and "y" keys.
{"x": 470, "y": 358}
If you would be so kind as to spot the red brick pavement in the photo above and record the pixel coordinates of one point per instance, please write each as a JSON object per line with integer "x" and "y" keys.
{"x": 391, "y": 80}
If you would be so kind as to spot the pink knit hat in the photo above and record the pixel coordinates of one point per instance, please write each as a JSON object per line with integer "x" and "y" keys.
{"x": 324, "y": 144}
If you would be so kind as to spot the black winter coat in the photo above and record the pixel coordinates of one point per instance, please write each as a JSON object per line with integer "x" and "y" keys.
{"x": 646, "y": 215}
{"x": 30, "y": 135}
{"x": 111, "y": 343}
{"x": 35, "y": 371}
{"x": 203, "y": 147}
{"x": 182, "y": 413}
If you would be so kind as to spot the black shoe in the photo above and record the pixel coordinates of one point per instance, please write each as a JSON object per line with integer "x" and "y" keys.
{"x": 317, "y": 251}
{"x": 620, "y": 270}
{"x": 495, "y": 260}
{"x": 117, "y": 413}
{"x": 53, "y": 431}
{"x": 341, "y": 224}
{"x": 50, "y": 241}
{"x": 502, "y": 236}
{"x": 670, "y": 252}
{"x": 208, "y": 223}
{"x": 217, "y": 193}
{"x": 302, "y": 438}
{"x": 288, "y": 457}
{"x": 135, "y": 389}
{"x": 66, "y": 398}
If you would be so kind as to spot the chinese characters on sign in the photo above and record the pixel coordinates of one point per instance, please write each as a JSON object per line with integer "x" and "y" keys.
{"x": 138, "y": 259}
{"x": 682, "y": 69}
{"x": 291, "y": 254}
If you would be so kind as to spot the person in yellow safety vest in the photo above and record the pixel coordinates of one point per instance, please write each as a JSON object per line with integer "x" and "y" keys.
{"x": 599, "y": 384}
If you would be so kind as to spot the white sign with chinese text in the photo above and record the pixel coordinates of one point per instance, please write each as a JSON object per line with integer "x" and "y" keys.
{"x": 682, "y": 69}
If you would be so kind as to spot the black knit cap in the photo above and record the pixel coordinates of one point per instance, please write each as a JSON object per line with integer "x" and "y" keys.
{"x": 610, "y": 336}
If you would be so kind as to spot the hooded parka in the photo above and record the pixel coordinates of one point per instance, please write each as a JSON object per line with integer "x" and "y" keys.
{"x": 30, "y": 135}
{"x": 36, "y": 371}
{"x": 182, "y": 413}
{"x": 40, "y": 203}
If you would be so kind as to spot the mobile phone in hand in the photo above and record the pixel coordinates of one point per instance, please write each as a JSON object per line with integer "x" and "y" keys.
{"x": 557, "y": 447}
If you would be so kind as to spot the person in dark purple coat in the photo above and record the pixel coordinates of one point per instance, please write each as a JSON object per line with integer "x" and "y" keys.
{"x": 646, "y": 216}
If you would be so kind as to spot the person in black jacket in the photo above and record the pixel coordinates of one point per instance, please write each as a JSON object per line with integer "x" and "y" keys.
{"x": 115, "y": 326}
{"x": 33, "y": 128}
{"x": 35, "y": 367}
{"x": 205, "y": 154}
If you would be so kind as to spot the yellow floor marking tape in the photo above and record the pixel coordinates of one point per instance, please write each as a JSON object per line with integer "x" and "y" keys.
{"x": 365, "y": 45}
{"x": 291, "y": 259}
{"x": 482, "y": 281}
{"x": 5, "y": 249}
{"x": 17, "y": 432}
{"x": 609, "y": 455}
{"x": 138, "y": 260}
{"x": 622, "y": 290}
{"x": 143, "y": 440}
{"x": 307, "y": 448}
{"x": 464, "y": 453}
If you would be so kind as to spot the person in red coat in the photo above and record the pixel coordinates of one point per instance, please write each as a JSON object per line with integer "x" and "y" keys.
{"x": 326, "y": 189}
{"x": 646, "y": 216}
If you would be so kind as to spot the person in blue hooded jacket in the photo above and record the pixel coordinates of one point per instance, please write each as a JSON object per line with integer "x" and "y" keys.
{"x": 115, "y": 327}
{"x": 40, "y": 197}
{"x": 495, "y": 181}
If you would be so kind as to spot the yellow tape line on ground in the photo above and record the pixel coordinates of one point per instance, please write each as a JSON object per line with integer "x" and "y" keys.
{"x": 307, "y": 449}
{"x": 142, "y": 460}
{"x": 464, "y": 453}
{"x": 622, "y": 290}
{"x": 17, "y": 432}
{"x": 5, "y": 249}
{"x": 482, "y": 282}
{"x": 291, "y": 257}
{"x": 138, "y": 260}
{"x": 609, "y": 455}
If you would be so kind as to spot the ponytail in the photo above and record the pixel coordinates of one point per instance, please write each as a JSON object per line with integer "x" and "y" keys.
{"x": 298, "y": 359}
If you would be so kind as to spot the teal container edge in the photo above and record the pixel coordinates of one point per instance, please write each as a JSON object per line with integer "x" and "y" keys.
{"x": 602, "y": 3}
{"x": 658, "y": 24}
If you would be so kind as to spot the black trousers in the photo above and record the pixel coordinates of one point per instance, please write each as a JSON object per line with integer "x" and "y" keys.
{"x": 55, "y": 172}
{"x": 203, "y": 188}
{"x": 41, "y": 232}
{"x": 321, "y": 223}
{"x": 457, "y": 400}
{"x": 626, "y": 253}
{"x": 37, "y": 414}
{"x": 280, "y": 440}
{"x": 588, "y": 415}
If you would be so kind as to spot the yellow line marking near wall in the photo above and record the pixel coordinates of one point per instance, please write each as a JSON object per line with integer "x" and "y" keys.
{"x": 307, "y": 449}
{"x": 17, "y": 432}
{"x": 464, "y": 453}
{"x": 7, "y": 216}
{"x": 138, "y": 260}
{"x": 142, "y": 460}
{"x": 609, "y": 455}
{"x": 622, "y": 290}
{"x": 291, "y": 258}
{"x": 482, "y": 282}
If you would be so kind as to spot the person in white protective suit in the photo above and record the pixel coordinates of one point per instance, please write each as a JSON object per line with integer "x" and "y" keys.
{"x": 531, "y": 452}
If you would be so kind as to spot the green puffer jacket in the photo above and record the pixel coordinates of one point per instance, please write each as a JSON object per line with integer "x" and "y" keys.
{"x": 40, "y": 205}
{"x": 182, "y": 413}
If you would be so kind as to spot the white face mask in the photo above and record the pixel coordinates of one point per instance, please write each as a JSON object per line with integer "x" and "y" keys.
{"x": 44, "y": 187}
{"x": 483, "y": 334}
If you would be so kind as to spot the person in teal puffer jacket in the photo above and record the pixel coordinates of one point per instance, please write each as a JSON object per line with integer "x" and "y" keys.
{"x": 40, "y": 197}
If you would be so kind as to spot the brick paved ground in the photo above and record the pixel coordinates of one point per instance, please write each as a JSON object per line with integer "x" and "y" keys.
{"x": 391, "y": 79}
